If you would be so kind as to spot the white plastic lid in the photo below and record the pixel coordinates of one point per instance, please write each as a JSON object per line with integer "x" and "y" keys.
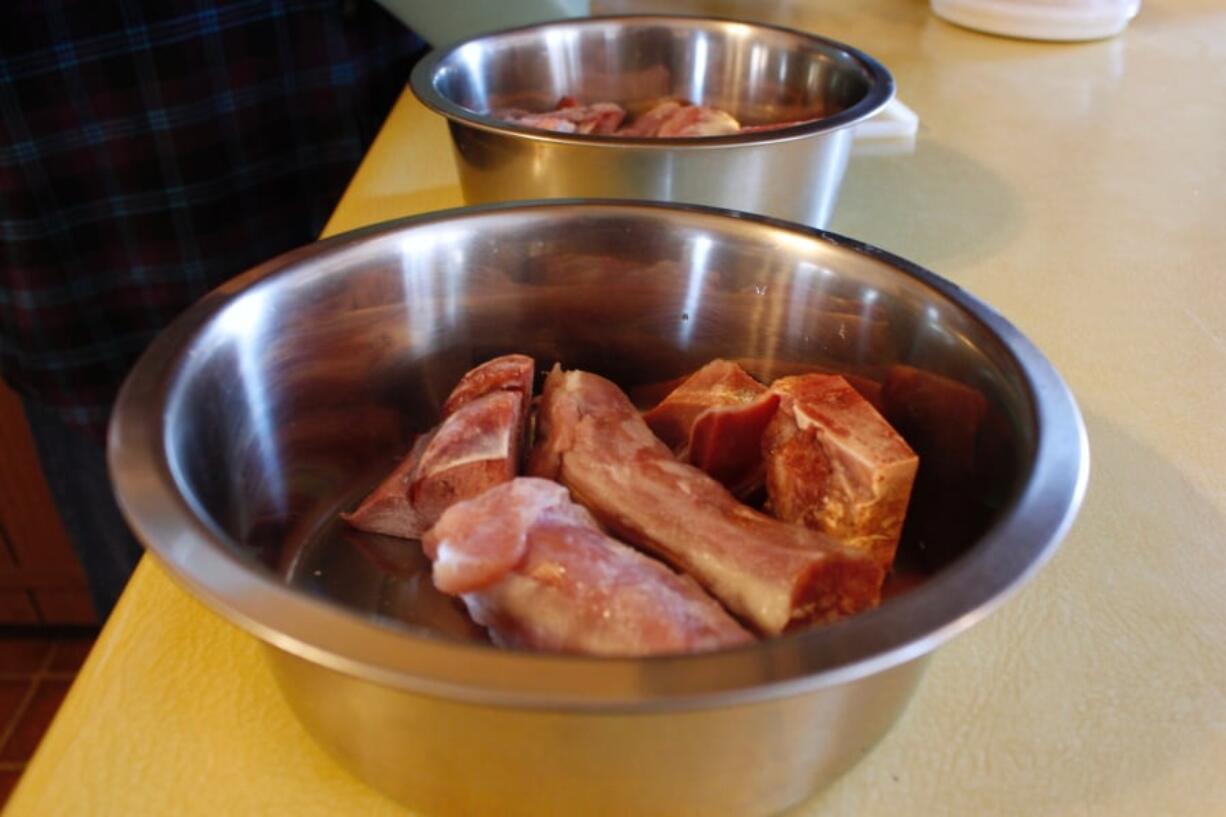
{"x": 1041, "y": 19}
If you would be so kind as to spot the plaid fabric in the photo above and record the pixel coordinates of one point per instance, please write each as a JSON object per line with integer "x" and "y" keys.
{"x": 151, "y": 149}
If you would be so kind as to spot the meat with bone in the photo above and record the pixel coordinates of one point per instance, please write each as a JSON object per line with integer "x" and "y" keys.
{"x": 534, "y": 568}
{"x": 477, "y": 446}
{"x": 773, "y": 574}
{"x": 835, "y": 465}
{"x": 714, "y": 420}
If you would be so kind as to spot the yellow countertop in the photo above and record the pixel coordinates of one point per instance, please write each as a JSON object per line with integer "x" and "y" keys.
{"x": 1080, "y": 189}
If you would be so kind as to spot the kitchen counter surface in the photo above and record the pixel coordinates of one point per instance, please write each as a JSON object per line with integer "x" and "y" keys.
{"x": 1081, "y": 190}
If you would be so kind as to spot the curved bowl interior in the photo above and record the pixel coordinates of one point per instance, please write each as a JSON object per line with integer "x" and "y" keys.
{"x": 282, "y": 397}
{"x": 759, "y": 74}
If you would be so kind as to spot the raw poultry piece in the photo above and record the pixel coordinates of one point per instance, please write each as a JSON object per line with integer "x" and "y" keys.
{"x": 772, "y": 574}
{"x": 477, "y": 445}
{"x": 534, "y": 568}
{"x": 714, "y": 420}
{"x": 835, "y": 465}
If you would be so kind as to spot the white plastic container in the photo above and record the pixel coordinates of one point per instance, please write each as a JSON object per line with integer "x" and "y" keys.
{"x": 1041, "y": 19}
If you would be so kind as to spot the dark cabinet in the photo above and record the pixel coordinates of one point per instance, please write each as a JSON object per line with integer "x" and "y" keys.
{"x": 41, "y": 581}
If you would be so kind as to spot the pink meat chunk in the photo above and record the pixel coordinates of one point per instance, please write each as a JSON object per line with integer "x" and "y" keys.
{"x": 506, "y": 373}
{"x": 598, "y": 118}
{"x": 772, "y": 574}
{"x": 536, "y": 570}
{"x": 835, "y": 465}
{"x": 387, "y": 509}
{"x": 719, "y": 383}
{"x": 478, "y": 445}
{"x": 662, "y": 118}
{"x": 475, "y": 448}
{"x": 676, "y": 118}
{"x": 726, "y": 443}
{"x": 547, "y": 120}
{"x": 715, "y": 420}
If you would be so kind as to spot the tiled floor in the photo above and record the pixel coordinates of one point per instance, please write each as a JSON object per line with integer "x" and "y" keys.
{"x": 36, "y": 669}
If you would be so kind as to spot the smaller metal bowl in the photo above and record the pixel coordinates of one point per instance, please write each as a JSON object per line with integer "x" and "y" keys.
{"x": 759, "y": 73}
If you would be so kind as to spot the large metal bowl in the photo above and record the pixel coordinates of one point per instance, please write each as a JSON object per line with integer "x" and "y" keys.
{"x": 278, "y": 400}
{"x": 757, "y": 72}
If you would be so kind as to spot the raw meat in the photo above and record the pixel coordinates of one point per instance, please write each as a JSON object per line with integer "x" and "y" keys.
{"x": 835, "y": 465}
{"x": 673, "y": 118}
{"x": 506, "y": 373}
{"x": 775, "y": 575}
{"x": 535, "y": 568}
{"x": 477, "y": 446}
{"x": 714, "y": 421}
{"x": 387, "y": 509}
{"x": 599, "y": 118}
{"x": 667, "y": 118}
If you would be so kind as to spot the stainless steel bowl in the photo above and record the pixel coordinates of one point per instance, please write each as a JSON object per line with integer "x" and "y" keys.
{"x": 278, "y": 400}
{"x": 759, "y": 73}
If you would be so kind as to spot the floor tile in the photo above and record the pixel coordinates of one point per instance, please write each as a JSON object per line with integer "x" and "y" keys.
{"x": 23, "y": 655}
{"x": 34, "y": 721}
{"x": 70, "y": 654}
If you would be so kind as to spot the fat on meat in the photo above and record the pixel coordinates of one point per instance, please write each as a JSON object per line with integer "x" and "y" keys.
{"x": 774, "y": 575}
{"x": 536, "y": 570}
{"x": 476, "y": 446}
{"x": 511, "y": 373}
{"x": 834, "y": 464}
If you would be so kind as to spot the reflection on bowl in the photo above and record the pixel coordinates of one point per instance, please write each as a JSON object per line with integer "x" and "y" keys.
{"x": 277, "y": 400}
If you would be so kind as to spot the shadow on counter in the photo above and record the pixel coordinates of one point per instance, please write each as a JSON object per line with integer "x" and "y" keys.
{"x": 936, "y": 206}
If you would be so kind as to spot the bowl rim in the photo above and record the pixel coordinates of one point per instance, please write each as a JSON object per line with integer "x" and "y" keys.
{"x": 205, "y": 561}
{"x": 881, "y": 89}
